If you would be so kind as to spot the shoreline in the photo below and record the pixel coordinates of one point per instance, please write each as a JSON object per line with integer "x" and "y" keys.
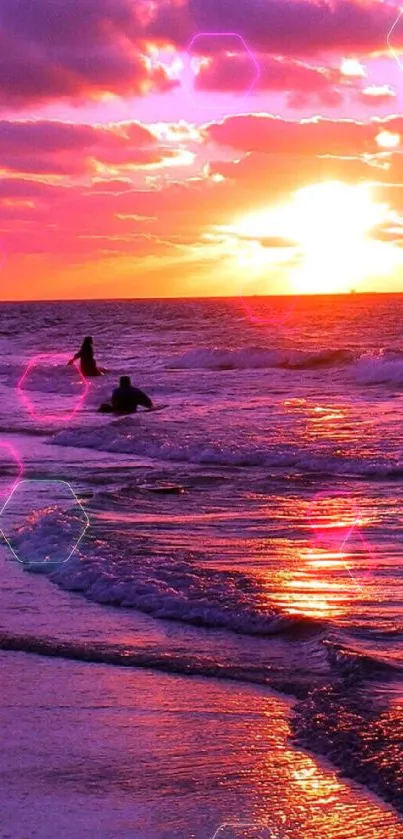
{"x": 108, "y": 751}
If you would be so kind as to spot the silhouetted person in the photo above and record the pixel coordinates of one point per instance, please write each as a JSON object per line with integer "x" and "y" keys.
{"x": 88, "y": 365}
{"x": 126, "y": 398}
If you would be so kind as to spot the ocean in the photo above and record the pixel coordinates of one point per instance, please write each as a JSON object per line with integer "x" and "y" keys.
{"x": 247, "y": 537}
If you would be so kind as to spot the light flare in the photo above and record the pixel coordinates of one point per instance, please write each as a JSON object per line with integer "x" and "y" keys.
{"x": 330, "y": 224}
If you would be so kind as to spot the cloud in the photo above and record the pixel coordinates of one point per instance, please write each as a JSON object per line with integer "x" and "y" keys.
{"x": 316, "y": 136}
{"x": 272, "y": 157}
{"x": 76, "y": 219}
{"x": 56, "y": 148}
{"x": 376, "y": 95}
{"x": 77, "y": 50}
{"x": 279, "y": 174}
{"x": 300, "y": 27}
{"x": 307, "y": 84}
{"x": 87, "y": 49}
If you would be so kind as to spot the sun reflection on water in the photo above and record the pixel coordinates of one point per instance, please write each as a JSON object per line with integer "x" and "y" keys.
{"x": 305, "y": 592}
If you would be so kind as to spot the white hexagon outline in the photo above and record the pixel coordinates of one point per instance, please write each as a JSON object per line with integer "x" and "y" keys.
{"x": 359, "y": 586}
{"x": 247, "y": 49}
{"x": 392, "y": 49}
{"x": 44, "y": 481}
{"x": 254, "y": 825}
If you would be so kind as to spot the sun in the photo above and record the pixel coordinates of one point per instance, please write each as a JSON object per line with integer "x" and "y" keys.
{"x": 332, "y": 213}
{"x": 329, "y": 225}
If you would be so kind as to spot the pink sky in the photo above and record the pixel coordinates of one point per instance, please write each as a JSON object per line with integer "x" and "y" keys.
{"x": 124, "y": 165}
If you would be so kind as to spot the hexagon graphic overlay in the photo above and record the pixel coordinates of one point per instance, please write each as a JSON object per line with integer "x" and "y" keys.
{"x": 390, "y": 38}
{"x": 246, "y": 830}
{"x": 336, "y": 520}
{"x": 235, "y": 45}
{"x": 46, "y": 537}
{"x": 30, "y": 399}
{"x": 8, "y": 452}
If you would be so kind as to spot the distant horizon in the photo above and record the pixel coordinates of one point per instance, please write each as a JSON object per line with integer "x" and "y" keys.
{"x": 202, "y": 297}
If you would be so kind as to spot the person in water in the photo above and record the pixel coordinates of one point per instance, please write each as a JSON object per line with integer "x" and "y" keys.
{"x": 126, "y": 398}
{"x": 88, "y": 365}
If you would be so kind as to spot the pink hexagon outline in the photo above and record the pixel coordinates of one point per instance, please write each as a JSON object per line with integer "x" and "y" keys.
{"x": 247, "y": 49}
{"x": 266, "y": 321}
{"x": 44, "y": 481}
{"x": 25, "y": 398}
{"x": 19, "y": 463}
{"x": 388, "y": 41}
{"x": 350, "y": 531}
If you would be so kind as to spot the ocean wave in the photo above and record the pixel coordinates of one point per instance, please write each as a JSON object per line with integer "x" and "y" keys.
{"x": 377, "y": 369}
{"x": 250, "y": 358}
{"x": 189, "y": 663}
{"x": 130, "y": 436}
{"x": 384, "y": 366}
{"x": 126, "y": 437}
{"x": 178, "y": 590}
{"x": 50, "y": 378}
{"x": 365, "y": 740}
{"x": 335, "y": 719}
{"x": 172, "y": 588}
{"x": 348, "y": 660}
{"x": 46, "y": 537}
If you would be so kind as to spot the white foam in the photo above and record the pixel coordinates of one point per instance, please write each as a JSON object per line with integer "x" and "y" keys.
{"x": 378, "y": 369}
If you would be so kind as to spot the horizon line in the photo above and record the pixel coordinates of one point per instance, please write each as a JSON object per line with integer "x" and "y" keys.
{"x": 352, "y": 293}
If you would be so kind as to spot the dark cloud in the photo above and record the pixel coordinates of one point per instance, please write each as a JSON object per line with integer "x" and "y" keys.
{"x": 25, "y": 188}
{"x": 300, "y": 27}
{"x": 54, "y": 147}
{"x": 77, "y": 50}
{"x": 83, "y": 49}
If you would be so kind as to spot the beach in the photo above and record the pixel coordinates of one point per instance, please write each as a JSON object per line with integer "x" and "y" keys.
{"x": 97, "y": 750}
{"x": 202, "y": 610}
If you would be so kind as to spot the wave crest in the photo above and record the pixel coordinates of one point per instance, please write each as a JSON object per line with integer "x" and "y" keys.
{"x": 365, "y": 741}
{"x": 253, "y": 358}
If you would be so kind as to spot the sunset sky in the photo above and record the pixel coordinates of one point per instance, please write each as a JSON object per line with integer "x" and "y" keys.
{"x": 153, "y": 148}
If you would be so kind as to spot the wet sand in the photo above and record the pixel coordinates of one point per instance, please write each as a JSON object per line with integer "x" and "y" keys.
{"x": 94, "y": 751}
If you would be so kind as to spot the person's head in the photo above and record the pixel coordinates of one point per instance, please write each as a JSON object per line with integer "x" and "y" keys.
{"x": 87, "y": 341}
{"x": 124, "y": 381}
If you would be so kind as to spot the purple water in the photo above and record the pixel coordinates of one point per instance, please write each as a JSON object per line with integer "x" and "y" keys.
{"x": 277, "y": 560}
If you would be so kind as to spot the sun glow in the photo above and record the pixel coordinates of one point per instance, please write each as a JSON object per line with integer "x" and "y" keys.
{"x": 330, "y": 225}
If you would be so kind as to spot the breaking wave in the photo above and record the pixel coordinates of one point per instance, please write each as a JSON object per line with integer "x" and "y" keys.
{"x": 359, "y": 735}
{"x": 258, "y": 357}
{"x": 381, "y": 367}
{"x": 128, "y": 436}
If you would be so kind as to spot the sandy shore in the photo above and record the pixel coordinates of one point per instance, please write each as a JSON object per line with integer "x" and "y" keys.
{"x": 99, "y": 752}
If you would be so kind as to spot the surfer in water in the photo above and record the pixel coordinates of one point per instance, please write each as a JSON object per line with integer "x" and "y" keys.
{"x": 126, "y": 399}
{"x": 88, "y": 364}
